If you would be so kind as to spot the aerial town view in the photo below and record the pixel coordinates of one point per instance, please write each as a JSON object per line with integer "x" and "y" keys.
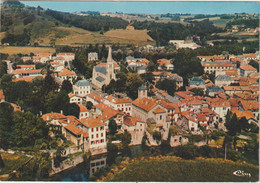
{"x": 129, "y": 91}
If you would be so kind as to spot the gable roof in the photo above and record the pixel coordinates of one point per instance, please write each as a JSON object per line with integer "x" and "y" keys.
{"x": 52, "y": 116}
{"x": 101, "y": 69}
{"x": 131, "y": 121}
{"x": 223, "y": 78}
{"x": 145, "y": 103}
{"x": 159, "y": 110}
{"x": 247, "y": 68}
{"x": 100, "y": 79}
{"x": 82, "y": 82}
{"x": 95, "y": 97}
{"x": 66, "y": 72}
{"x": 92, "y": 122}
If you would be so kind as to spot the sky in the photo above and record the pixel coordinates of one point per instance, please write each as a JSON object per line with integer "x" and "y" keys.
{"x": 150, "y": 7}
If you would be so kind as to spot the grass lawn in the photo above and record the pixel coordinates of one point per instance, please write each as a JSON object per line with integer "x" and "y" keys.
{"x": 167, "y": 169}
{"x": 12, "y": 162}
{"x": 24, "y": 49}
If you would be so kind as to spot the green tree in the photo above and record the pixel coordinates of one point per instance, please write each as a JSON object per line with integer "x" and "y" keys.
{"x": 243, "y": 124}
{"x": 34, "y": 127}
{"x": 3, "y": 68}
{"x": 232, "y": 125}
{"x": 167, "y": 85}
{"x": 66, "y": 86}
{"x": 133, "y": 81}
{"x": 89, "y": 105}
{"x": 6, "y": 124}
{"x": 197, "y": 91}
{"x": 125, "y": 139}
{"x": 112, "y": 126}
{"x": 2, "y": 165}
{"x": 254, "y": 64}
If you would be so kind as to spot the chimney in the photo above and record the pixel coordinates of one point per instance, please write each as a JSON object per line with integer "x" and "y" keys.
{"x": 68, "y": 121}
{"x": 61, "y": 111}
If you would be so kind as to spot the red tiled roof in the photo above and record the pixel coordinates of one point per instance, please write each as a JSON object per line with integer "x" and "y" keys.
{"x": 53, "y": 116}
{"x": 92, "y": 122}
{"x": 131, "y": 121}
{"x": 159, "y": 110}
{"x": 2, "y": 95}
{"x": 25, "y": 66}
{"x": 82, "y": 108}
{"x": 18, "y": 71}
{"x": 95, "y": 97}
{"x": 250, "y": 105}
{"x": 72, "y": 128}
{"x": 247, "y": 68}
{"x": 66, "y": 72}
{"x": 145, "y": 103}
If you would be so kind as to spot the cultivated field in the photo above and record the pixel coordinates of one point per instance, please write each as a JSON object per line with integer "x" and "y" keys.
{"x": 24, "y": 49}
{"x": 76, "y": 36}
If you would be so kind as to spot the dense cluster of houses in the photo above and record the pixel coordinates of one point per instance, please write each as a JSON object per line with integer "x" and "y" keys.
{"x": 235, "y": 88}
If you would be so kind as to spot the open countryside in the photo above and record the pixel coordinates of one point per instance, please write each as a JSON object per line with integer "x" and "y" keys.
{"x": 126, "y": 95}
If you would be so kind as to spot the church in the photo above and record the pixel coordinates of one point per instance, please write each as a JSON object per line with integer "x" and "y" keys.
{"x": 104, "y": 73}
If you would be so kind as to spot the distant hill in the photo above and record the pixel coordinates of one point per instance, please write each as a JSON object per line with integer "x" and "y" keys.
{"x": 22, "y": 26}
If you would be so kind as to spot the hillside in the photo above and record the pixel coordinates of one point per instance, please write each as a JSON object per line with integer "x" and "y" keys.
{"x": 173, "y": 169}
{"x": 76, "y": 36}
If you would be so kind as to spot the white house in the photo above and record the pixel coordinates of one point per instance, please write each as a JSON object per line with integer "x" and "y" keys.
{"x": 82, "y": 88}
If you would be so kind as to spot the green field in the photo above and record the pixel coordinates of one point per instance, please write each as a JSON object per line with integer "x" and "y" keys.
{"x": 221, "y": 22}
{"x": 177, "y": 170}
{"x": 11, "y": 162}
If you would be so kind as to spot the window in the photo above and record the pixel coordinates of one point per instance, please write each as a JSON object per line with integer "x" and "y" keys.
{"x": 160, "y": 117}
{"x": 92, "y": 136}
{"x": 97, "y": 141}
{"x": 101, "y": 128}
{"x": 97, "y": 129}
{"x": 224, "y": 108}
{"x": 102, "y": 140}
{"x": 97, "y": 135}
{"x": 92, "y": 129}
{"x": 101, "y": 134}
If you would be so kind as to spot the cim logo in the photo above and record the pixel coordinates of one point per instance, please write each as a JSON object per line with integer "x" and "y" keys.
{"x": 241, "y": 173}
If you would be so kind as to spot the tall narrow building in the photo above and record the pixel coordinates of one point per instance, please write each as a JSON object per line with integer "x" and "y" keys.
{"x": 103, "y": 73}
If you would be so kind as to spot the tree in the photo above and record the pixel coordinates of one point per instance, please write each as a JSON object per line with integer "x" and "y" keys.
{"x": 34, "y": 127}
{"x": 254, "y": 64}
{"x": 3, "y": 68}
{"x": 232, "y": 125}
{"x": 6, "y": 124}
{"x": 2, "y": 165}
{"x": 89, "y": 105}
{"x": 112, "y": 126}
{"x": 125, "y": 139}
{"x": 197, "y": 91}
{"x": 243, "y": 124}
{"x": 133, "y": 81}
{"x": 167, "y": 85}
{"x": 66, "y": 86}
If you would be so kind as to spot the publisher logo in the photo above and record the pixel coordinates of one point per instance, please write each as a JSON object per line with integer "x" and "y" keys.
{"x": 241, "y": 173}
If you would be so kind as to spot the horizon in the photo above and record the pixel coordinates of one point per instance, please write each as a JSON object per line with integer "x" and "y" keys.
{"x": 211, "y": 8}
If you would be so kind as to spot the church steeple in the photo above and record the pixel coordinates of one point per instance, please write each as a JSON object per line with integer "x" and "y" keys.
{"x": 109, "y": 57}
